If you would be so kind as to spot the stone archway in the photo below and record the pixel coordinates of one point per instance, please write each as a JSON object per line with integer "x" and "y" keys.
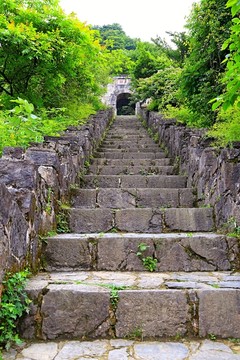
{"x": 123, "y": 104}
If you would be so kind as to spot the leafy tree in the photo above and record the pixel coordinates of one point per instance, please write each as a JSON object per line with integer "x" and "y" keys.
{"x": 231, "y": 79}
{"x": 47, "y": 57}
{"x": 114, "y": 37}
{"x": 208, "y": 26}
{"x": 181, "y": 40}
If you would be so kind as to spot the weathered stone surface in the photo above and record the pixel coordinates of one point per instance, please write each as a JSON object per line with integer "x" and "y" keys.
{"x": 167, "y": 181}
{"x": 75, "y": 349}
{"x": 37, "y": 179}
{"x": 189, "y": 219}
{"x": 219, "y": 313}
{"x": 154, "y": 313}
{"x": 158, "y": 197}
{"x": 116, "y": 198}
{"x": 41, "y": 351}
{"x": 163, "y": 351}
{"x": 174, "y": 252}
{"x": 84, "y": 198}
{"x": 91, "y": 220}
{"x": 214, "y": 173}
{"x": 70, "y": 253}
{"x": 75, "y": 310}
{"x": 131, "y": 162}
{"x": 138, "y": 220}
{"x": 131, "y": 170}
{"x": 211, "y": 350}
{"x": 95, "y": 181}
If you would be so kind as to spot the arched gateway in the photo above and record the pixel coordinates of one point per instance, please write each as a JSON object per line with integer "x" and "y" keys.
{"x": 118, "y": 96}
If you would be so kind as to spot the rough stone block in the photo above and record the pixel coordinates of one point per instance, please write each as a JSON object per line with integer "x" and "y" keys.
{"x": 69, "y": 253}
{"x": 155, "y": 313}
{"x": 157, "y": 197}
{"x": 84, "y": 198}
{"x": 75, "y": 311}
{"x": 189, "y": 219}
{"x": 166, "y": 181}
{"x": 133, "y": 181}
{"x": 91, "y": 220}
{"x": 116, "y": 199}
{"x": 219, "y": 313}
{"x": 138, "y": 220}
{"x": 101, "y": 181}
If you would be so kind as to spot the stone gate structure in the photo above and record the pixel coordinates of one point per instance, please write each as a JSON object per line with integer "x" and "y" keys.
{"x": 118, "y": 93}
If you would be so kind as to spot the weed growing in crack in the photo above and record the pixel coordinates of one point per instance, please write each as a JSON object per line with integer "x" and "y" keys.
{"x": 136, "y": 334}
{"x": 149, "y": 262}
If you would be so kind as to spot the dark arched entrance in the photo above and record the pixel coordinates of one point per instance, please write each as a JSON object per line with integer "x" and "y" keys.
{"x": 124, "y": 105}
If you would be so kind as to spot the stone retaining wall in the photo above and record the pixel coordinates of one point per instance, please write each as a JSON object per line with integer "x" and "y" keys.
{"x": 34, "y": 182}
{"x": 214, "y": 172}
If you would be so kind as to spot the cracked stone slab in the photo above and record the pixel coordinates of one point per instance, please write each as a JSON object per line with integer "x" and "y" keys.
{"x": 174, "y": 252}
{"x": 125, "y": 349}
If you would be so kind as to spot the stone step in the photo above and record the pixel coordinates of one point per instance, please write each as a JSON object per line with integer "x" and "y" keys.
{"x": 112, "y": 304}
{"x": 129, "y": 155}
{"x": 127, "y": 136}
{"x": 131, "y": 170}
{"x": 141, "y": 220}
{"x": 131, "y": 162}
{"x": 127, "y": 143}
{"x": 134, "y": 181}
{"x": 118, "y": 252}
{"x": 132, "y": 198}
{"x": 119, "y": 349}
{"x": 132, "y": 148}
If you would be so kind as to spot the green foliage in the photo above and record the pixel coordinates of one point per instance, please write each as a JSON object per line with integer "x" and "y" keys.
{"x": 183, "y": 115}
{"x": 149, "y": 262}
{"x": 48, "y": 57}
{"x": 208, "y": 26}
{"x": 114, "y": 37}
{"x": 181, "y": 42}
{"x": 20, "y": 125}
{"x": 14, "y": 304}
{"x": 63, "y": 218}
{"x": 227, "y": 129}
{"x": 162, "y": 87}
{"x": 231, "y": 94}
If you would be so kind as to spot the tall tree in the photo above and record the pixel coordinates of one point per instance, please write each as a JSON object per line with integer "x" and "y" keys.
{"x": 208, "y": 25}
{"x": 46, "y": 56}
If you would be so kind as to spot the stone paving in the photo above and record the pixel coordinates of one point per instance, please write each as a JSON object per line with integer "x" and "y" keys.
{"x": 122, "y": 349}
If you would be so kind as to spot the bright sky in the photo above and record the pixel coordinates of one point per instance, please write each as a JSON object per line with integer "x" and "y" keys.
{"x": 139, "y": 19}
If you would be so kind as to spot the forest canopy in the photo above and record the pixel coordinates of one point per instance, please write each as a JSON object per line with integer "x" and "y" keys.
{"x": 54, "y": 69}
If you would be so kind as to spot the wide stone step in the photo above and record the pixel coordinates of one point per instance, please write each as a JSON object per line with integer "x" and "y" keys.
{"x": 132, "y": 198}
{"x": 134, "y": 181}
{"x": 118, "y": 252}
{"x": 131, "y": 162}
{"x": 127, "y": 143}
{"x": 102, "y": 304}
{"x": 133, "y": 148}
{"x": 131, "y": 170}
{"x": 141, "y": 220}
{"x": 129, "y": 155}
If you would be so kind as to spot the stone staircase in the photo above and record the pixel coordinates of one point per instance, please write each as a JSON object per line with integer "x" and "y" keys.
{"x": 142, "y": 260}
